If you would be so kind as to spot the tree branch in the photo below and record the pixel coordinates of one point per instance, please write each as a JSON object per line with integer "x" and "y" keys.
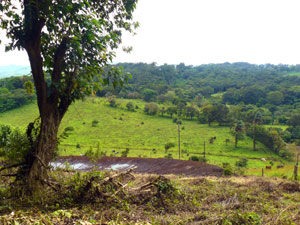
{"x": 33, "y": 31}
{"x": 11, "y": 166}
{"x": 58, "y": 59}
{"x": 65, "y": 98}
{"x": 42, "y": 163}
{"x": 9, "y": 175}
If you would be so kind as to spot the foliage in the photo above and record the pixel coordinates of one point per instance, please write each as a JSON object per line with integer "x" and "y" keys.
{"x": 270, "y": 139}
{"x": 238, "y": 132}
{"x": 95, "y": 123}
{"x": 216, "y": 113}
{"x": 151, "y": 108}
{"x": 247, "y": 218}
{"x": 241, "y": 163}
{"x": 125, "y": 152}
{"x": 227, "y": 169}
{"x": 70, "y": 47}
{"x": 295, "y": 120}
{"x": 14, "y": 144}
{"x": 168, "y": 146}
{"x": 130, "y": 106}
{"x": 169, "y": 156}
{"x": 197, "y": 158}
{"x": 67, "y": 129}
{"x": 112, "y": 101}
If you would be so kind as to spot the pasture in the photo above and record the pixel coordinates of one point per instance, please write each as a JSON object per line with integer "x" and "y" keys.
{"x": 98, "y": 127}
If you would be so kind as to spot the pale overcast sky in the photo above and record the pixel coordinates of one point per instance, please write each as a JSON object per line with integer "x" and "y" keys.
{"x": 209, "y": 31}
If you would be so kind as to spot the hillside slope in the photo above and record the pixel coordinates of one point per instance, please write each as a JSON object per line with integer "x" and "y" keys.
{"x": 118, "y": 129}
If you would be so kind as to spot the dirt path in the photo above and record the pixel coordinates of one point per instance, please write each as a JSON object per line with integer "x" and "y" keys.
{"x": 159, "y": 166}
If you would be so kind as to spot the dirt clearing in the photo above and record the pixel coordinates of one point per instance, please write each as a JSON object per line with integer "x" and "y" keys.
{"x": 158, "y": 166}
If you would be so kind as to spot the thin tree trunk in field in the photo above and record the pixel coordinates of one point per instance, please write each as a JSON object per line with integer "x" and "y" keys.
{"x": 254, "y": 138}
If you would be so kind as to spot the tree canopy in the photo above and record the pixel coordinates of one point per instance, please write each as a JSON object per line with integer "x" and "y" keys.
{"x": 69, "y": 44}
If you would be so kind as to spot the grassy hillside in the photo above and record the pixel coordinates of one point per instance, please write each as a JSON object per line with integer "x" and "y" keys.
{"x": 119, "y": 129}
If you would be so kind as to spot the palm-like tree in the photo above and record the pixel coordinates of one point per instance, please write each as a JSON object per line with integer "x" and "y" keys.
{"x": 258, "y": 119}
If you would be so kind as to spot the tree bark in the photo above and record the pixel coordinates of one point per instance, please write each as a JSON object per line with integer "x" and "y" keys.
{"x": 42, "y": 151}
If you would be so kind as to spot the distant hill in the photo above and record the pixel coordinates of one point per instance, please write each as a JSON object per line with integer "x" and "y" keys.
{"x": 14, "y": 70}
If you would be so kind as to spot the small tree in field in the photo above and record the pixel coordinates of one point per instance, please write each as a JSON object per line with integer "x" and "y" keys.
{"x": 258, "y": 119}
{"x": 238, "y": 132}
{"x": 168, "y": 146}
{"x": 69, "y": 43}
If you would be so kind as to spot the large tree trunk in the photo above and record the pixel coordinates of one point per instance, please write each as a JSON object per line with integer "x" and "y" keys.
{"x": 39, "y": 156}
{"x": 51, "y": 103}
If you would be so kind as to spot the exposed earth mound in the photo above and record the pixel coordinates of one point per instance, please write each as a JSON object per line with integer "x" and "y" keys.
{"x": 143, "y": 165}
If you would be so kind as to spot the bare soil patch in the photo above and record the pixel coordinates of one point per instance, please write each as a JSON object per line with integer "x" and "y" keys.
{"x": 158, "y": 166}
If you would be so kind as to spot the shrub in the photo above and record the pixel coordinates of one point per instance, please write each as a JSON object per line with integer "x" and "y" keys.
{"x": 89, "y": 153}
{"x": 67, "y": 129}
{"x": 112, "y": 101}
{"x": 227, "y": 169}
{"x": 130, "y": 106}
{"x": 125, "y": 153}
{"x": 78, "y": 146}
{"x": 95, "y": 155}
{"x": 95, "y": 123}
{"x": 168, "y": 146}
{"x": 198, "y": 159}
{"x": 14, "y": 144}
{"x": 169, "y": 156}
{"x": 243, "y": 218}
{"x": 241, "y": 163}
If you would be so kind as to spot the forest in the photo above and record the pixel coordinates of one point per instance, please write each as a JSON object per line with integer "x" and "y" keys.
{"x": 223, "y": 93}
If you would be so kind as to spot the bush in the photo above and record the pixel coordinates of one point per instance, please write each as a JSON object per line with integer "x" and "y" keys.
{"x": 242, "y": 163}
{"x": 112, "y": 101}
{"x": 95, "y": 123}
{"x": 14, "y": 144}
{"x": 197, "y": 159}
{"x": 78, "y": 146}
{"x": 168, "y": 146}
{"x": 125, "y": 153}
{"x": 95, "y": 155}
{"x": 67, "y": 129}
{"x": 169, "y": 156}
{"x": 130, "y": 106}
{"x": 227, "y": 169}
{"x": 243, "y": 218}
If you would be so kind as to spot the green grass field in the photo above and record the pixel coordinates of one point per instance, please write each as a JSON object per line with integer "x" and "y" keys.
{"x": 119, "y": 129}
